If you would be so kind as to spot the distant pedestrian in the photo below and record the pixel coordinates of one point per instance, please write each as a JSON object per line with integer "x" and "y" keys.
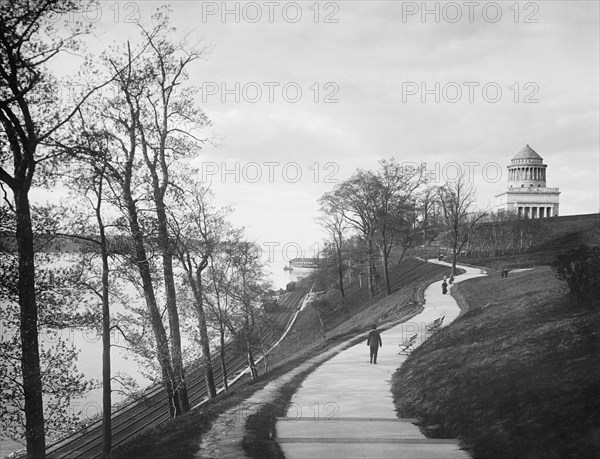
{"x": 444, "y": 287}
{"x": 505, "y": 272}
{"x": 374, "y": 343}
{"x": 451, "y": 280}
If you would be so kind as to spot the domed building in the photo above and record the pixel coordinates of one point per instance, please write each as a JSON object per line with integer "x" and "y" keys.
{"x": 527, "y": 193}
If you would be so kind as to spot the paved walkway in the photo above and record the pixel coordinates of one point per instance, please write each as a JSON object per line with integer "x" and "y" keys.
{"x": 344, "y": 409}
{"x": 224, "y": 439}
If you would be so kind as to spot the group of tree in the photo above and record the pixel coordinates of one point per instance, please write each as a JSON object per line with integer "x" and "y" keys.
{"x": 502, "y": 234}
{"x": 378, "y": 206}
{"x": 136, "y": 208}
{"x": 376, "y": 216}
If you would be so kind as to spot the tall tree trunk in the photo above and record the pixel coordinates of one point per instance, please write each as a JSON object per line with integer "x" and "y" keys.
{"x": 222, "y": 352}
{"x": 454, "y": 261}
{"x": 386, "y": 274}
{"x": 371, "y": 268}
{"x": 174, "y": 327}
{"x": 30, "y": 355}
{"x": 341, "y": 272}
{"x": 106, "y": 370}
{"x": 251, "y": 362}
{"x": 204, "y": 342}
{"x": 162, "y": 343}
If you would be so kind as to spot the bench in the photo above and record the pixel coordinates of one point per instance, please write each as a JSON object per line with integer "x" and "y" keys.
{"x": 435, "y": 325}
{"x": 407, "y": 345}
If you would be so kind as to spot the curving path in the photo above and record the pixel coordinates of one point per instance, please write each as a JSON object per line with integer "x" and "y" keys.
{"x": 344, "y": 409}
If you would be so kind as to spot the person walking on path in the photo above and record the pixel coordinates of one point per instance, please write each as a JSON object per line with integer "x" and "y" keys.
{"x": 444, "y": 287}
{"x": 374, "y": 343}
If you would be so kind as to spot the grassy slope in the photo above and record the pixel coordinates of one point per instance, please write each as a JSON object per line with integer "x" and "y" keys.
{"x": 180, "y": 438}
{"x": 356, "y": 312}
{"x": 516, "y": 376}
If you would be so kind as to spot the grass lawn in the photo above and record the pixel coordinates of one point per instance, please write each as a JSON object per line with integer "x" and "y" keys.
{"x": 517, "y": 375}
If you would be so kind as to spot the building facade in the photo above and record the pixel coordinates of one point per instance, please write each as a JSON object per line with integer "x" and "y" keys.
{"x": 527, "y": 193}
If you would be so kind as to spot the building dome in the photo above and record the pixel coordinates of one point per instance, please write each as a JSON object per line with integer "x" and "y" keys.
{"x": 527, "y": 153}
{"x": 527, "y": 169}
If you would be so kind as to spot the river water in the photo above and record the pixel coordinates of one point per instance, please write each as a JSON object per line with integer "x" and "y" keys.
{"x": 280, "y": 277}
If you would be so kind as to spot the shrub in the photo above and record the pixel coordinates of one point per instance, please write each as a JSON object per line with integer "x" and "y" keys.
{"x": 580, "y": 269}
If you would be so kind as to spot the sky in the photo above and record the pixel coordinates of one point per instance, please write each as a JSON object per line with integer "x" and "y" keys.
{"x": 301, "y": 94}
{"x": 445, "y": 83}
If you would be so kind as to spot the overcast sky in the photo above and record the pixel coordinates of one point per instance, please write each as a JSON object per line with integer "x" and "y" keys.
{"x": 466, "y": 84}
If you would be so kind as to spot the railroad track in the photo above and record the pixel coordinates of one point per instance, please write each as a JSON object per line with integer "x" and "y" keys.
{"x": 152, "y": 408}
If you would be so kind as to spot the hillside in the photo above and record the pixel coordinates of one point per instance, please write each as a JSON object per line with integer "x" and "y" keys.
{"x": 355, "y": 313}
{"x": 545, "y": 238}
{"x": 517, "y": 375}
{"x": 179, "y": 438}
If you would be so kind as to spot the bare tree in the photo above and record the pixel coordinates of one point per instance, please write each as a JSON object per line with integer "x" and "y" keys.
{"x": 220, "y": 303}
{"x": 458, "y": 199}
{"x": 380, "y": 206}
{"x": 120, "y": 116}
{"x": 395, "y": 187}
{"x": 355, "y": 199}
{"x": 197, "y": 229}
{"x": 90, "y": 178}
{"x": 247, "y": 289}
{"x": 168, "y": 124}
{"x": 428, "y": 212}
{"x": 94, "y": 182}
{"x": 334, "y": 224}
